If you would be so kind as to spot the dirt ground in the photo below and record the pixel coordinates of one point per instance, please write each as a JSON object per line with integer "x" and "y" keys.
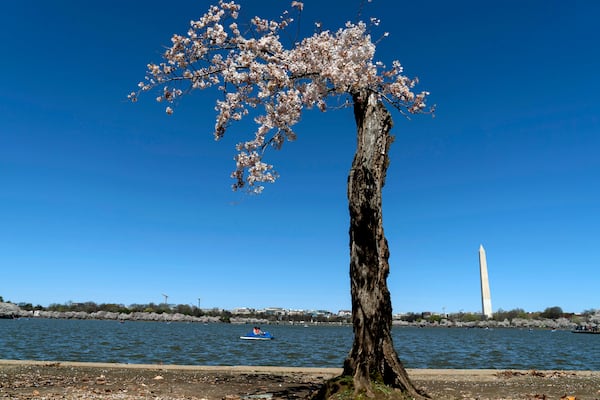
{"x": 68, "y": 380}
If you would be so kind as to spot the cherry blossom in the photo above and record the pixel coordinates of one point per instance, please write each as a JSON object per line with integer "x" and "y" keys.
{"x": 258, "y": 76}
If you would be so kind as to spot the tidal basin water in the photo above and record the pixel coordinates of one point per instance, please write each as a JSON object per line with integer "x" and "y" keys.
{"x": 295, "y": 346}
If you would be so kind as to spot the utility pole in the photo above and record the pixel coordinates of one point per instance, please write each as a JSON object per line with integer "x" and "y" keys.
{"x": 166, "y": 298}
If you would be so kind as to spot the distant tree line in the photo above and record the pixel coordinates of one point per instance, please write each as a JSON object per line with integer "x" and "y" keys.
{"x": 91, "y": 307}
{"x": 225, "y": 315}
{"x": 500, "y": 315}
{"x": 185, "y": 309}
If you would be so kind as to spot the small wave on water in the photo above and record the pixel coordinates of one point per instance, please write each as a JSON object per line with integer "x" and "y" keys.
{"x": 299, "y": 346}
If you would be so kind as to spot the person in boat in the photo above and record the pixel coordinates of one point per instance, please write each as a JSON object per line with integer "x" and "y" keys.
{"x": 257, "y": 331}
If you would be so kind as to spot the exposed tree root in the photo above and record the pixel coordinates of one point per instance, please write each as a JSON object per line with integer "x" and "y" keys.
{"x": 342, "y": 388}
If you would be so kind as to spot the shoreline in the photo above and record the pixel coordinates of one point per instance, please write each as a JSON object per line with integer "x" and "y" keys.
{"x": 176, "y": 367}
{"x": 531, "y": 325}
{"x": 13, "y": 311}
{"x": 30, "y": 379}
{"x": 267, "y": 369}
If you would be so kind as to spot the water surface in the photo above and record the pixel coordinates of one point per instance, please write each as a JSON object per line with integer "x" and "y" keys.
{"x": 313, "y": 346}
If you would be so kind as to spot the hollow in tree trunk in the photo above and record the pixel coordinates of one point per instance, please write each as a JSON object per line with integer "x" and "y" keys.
{"x": 373, "y": 355}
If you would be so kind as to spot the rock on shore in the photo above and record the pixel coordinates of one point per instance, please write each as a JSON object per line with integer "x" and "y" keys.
{"x": 9, "y": 310}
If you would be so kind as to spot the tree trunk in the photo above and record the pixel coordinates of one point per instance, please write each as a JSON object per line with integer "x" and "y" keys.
{"x": 373, "y": 355}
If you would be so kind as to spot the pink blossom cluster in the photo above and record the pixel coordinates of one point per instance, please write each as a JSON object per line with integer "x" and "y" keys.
{"x": 258, "y": 75}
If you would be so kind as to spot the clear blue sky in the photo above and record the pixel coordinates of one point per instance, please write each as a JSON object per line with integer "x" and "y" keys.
{"x": 107, "y": 201}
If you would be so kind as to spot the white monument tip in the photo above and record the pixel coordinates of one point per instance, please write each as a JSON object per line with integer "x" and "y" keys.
{"x": 486, "y": 298}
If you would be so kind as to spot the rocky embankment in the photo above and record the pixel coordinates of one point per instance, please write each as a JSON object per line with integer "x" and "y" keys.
{"x": 560, "y": 323}
{"x": 9, "y": 310}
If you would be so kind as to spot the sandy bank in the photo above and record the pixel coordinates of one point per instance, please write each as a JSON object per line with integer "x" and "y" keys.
{"x": 77, "y": 380}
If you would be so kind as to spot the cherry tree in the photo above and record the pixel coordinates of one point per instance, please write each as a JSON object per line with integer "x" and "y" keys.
{"x": 258, "y": 77}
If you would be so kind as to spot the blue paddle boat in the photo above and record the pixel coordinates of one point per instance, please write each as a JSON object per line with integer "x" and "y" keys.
{"x": 257, "y": 334}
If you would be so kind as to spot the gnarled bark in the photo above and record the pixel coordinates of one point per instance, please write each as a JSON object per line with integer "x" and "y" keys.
{"x": 373, "y": 354}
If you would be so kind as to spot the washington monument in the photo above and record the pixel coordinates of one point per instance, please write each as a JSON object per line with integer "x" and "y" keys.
{"x": 486, "y": 297}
